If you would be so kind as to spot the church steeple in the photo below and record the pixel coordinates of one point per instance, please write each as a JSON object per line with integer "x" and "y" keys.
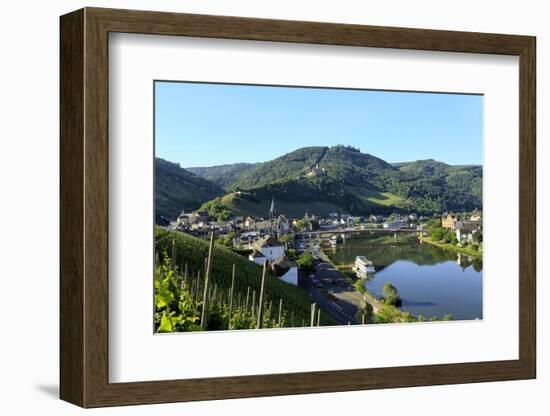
{"x": 272, "y": 212}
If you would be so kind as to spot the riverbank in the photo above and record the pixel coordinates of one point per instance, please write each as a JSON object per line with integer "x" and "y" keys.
{"x": 357, "y": 297}
{"x": 371, "y": 299}
{"x": 452, "y": 247}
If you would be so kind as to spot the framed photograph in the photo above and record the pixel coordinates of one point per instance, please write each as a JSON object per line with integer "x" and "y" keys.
{"x": 255, "y": 207}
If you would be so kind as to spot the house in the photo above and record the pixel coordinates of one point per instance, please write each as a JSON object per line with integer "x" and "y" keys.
{"x": 282, "y": 225}
{"x": 249, "y": 236}
{"x": 291, "y": 276}
{"x": 465, "y": 233}
{"x": 327, "y": 225}
{"x": 262, "y": 225}
{"x": 261, "y": 242}
{"x": 273, "y": 252}
{"x": 270, "y": 252}
{"x": 353, "y": 220}
{"x": 448, "y": 221}
{"x": 198, "y": 226}
{"x": 285, "y": 270}
{"x": 376, "y": 218}
{"x": 393, "y": 225}
{"x": 475, "y": 218}
{"x": 257, "y": 257}
{"x": 184, "y": 218}
{"x": 460, "y": 224}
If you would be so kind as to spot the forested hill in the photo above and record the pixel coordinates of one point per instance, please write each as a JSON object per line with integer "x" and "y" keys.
{"x": 348, "y": 180}
{"x": 223, "y": 175}
{"x": 177, "y": 189}
{"x": 343, "y": 179}
{"x": 440, "y": 186}
{"x": 341, "y": 163}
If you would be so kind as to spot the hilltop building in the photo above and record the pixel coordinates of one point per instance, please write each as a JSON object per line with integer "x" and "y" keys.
{"x": 316, "y": 171}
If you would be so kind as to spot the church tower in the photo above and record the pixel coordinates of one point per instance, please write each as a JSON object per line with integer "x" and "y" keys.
{"x": 272, "y": 211}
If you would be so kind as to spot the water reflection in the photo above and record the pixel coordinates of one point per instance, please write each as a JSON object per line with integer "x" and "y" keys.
{"x": 431, "y": 281}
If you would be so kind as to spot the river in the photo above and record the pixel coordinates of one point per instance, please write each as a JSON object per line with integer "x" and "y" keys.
{"x": 430, "y": 280}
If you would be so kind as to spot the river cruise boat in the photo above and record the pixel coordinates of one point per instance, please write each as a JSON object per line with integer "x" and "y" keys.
{"x": 363, "y": 266}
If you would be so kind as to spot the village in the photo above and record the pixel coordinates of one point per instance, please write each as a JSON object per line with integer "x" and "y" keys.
{"x": 282, "y": 241}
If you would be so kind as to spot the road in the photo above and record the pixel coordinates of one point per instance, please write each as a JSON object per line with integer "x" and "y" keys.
{"x": 335, "y": 295}
{"x": 353, "y": 230}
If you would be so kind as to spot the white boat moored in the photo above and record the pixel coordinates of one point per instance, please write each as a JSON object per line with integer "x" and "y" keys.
{"x": 363, "y": 266}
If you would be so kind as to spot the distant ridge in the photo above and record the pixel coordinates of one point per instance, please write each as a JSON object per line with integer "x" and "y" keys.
{"x": 177, "y": 189}
{"x": 223, "y": 175}
{"x": 323, "y": 179}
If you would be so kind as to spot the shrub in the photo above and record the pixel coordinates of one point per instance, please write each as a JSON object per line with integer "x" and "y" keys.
{"x": 390, "y": 295}
{"x": 306, "y": 262}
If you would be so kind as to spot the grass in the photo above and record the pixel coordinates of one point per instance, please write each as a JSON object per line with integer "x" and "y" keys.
{"x": 244, "y": 207}
{"x": 260, "y": 208}
{"x": 465, "y": 250}
{"x": 371, "y": 196}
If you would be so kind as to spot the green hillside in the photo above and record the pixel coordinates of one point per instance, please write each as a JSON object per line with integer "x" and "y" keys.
{"x": 377, "y": 199}
{"x": 293, "y": 165}
{"x": 192, "y": 251}
{"x": 437, "y": 186}
{"x": 223, "y": 175}
{"x": 176, "y": 189}
{"x": 320, "y": 180}
{"x": 259, "y": 207}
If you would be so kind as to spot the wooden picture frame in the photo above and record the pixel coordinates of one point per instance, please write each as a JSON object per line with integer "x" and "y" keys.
{"x": 84, "y": 207}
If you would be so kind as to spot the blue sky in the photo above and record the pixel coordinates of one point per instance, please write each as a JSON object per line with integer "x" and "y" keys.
{"x": 214, "y": 124}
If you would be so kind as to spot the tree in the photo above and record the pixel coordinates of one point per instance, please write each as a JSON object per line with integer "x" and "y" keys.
{"x": 359, "y": 284}
{"x": 302, "y": 224}
{"x": 390, "y": 314}
{"x": 291, "y": 254}
{"x": 306, "y": 262}
{"x": 449, "y": 237}
{"x": 477, "y": 237}
{"x": 227, "y": 240}
{"x": 368, "y": 310}
{"x": 287, "y": 238}
{"x": 390, "y": 295}
{"x": 434, "y": 223}
{"x": 436, "y": 231}
{"x": 217, "y": 209}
